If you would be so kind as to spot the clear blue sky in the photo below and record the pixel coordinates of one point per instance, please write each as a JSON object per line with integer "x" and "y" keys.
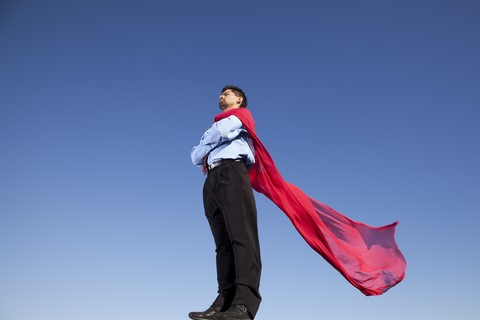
{"x": 369, "y": 106}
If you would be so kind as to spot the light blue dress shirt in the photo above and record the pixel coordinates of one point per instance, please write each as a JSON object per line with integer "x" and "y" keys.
{"x": 226, "y": 139}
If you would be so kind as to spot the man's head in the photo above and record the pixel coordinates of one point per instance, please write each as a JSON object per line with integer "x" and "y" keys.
{"x": 232, "y": 97}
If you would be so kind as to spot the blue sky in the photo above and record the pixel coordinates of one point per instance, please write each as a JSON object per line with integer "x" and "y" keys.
{"x": 371, "y": 107}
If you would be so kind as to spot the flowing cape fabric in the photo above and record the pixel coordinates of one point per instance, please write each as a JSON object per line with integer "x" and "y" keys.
{"x": 366, "y": 256}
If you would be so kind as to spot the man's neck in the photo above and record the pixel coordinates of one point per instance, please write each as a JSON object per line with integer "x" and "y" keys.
{"x": 230, "y": 108}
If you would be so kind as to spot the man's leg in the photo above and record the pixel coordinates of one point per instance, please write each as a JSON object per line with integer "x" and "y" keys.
{"x": 237, "y": 204}
{"x": 225, "y": 261}
{"x": 224, "y": 253}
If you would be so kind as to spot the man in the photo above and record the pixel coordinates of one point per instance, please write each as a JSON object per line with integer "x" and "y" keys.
{"x": 367, "y": 257}
{"x": 226, "y": 151}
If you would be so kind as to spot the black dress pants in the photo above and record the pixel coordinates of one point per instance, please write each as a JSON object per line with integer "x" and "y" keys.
{"x": 231, "y": 212}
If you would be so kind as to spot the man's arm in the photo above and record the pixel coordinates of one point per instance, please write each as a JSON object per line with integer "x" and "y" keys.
{"x": 223, "y": 130}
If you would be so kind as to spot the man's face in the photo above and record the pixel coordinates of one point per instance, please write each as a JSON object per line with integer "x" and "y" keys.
{"x": 228, "y": 100}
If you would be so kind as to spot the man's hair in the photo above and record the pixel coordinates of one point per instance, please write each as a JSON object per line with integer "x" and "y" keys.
{"x": 238, "y": 92}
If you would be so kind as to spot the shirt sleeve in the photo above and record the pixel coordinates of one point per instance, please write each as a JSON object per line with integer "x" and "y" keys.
{"x": 221, "y": 131}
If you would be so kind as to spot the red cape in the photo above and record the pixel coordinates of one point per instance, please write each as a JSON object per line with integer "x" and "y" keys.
{"x": 366, "y": 256}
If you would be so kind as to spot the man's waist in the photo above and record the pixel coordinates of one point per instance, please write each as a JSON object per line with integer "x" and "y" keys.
{"x": 236, "y": 149}
{"x": 221, "y": 162}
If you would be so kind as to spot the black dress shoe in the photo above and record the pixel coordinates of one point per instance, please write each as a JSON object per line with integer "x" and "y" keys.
{"x": 235, "y": 312}
{"x": 208, "y": 314}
